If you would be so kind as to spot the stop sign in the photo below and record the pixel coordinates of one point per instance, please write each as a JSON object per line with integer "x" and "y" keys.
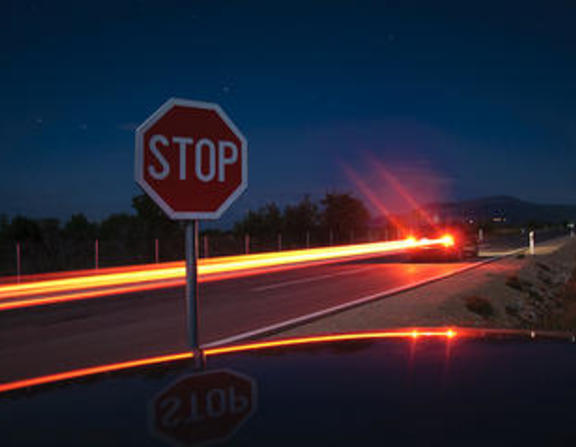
{"x": 191, "y": 159}
{"x": 203, "y": 407}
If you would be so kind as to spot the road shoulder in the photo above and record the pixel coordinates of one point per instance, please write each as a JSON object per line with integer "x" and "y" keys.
{"x": 487, "y": 296}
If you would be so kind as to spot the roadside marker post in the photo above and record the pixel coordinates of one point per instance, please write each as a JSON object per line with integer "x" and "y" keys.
{"x": 96, "y": 254}
{"x": 18, "y": 262}
{"x": 191, "y": 160}
{"x": 531, "y": 242}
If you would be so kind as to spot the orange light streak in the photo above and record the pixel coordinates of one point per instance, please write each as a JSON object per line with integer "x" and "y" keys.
{"x": 83, "y": 372}
{"x": 373, "y": 198}
{"x": 132, "y": 280}
{"x": 67, "y": 375}
{"x": 329, "y": 338}
{"x": 108, "y": 291}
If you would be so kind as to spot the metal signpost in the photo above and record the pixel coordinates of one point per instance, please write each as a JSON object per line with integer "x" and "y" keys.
{"x": 192, "y": 161}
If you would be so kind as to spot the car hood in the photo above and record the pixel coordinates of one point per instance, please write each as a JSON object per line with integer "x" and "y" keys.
{"x": 420, "y": 386}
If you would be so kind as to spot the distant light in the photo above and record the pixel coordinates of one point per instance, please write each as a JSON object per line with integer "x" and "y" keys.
{"x": 411, "y": 240}
{"x": 448, "y": 240}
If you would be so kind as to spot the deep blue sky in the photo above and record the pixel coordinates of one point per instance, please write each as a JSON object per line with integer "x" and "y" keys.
{"x": 465, "y": 99}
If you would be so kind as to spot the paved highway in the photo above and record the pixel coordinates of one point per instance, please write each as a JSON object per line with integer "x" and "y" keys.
{"x": 46, "y": 339}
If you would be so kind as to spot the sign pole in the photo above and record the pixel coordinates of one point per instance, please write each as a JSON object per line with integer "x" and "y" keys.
{"x": 192, "y": 283}
{"x": 178, "y": 185}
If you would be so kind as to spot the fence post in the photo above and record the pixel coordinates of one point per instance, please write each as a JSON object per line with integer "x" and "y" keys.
{"x": 18, "y": 262}
{"x": 246, "y": 244}
{"x": 156, "y": 251}
{"x": 96, "y": 254}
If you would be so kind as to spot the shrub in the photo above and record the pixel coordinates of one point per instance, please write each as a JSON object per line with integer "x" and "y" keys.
{"x": 480, "y": 306}
{"x": 543, "y": 266}
{"x": 512, "y": 310}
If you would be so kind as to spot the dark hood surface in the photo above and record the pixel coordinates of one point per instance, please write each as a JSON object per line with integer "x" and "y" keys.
{"x": 494, "y": 388}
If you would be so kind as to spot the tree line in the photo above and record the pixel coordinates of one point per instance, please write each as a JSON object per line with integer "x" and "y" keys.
{"x": 127, "y": 238}
{"x": 339, "y": 214}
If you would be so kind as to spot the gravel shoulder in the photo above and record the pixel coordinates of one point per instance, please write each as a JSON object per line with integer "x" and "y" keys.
{"x": 519, "y": 291}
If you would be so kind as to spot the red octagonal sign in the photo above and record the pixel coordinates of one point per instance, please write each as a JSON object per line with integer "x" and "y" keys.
{"x": 203, "y": 408}
{"x": 191, "y": 159}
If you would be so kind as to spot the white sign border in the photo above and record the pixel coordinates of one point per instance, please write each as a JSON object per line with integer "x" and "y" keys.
{"x": 139, "y": 159}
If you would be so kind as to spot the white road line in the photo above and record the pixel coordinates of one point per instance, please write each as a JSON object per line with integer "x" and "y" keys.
{"x": 310, "y": 279}
{"x": 340, "y": 307}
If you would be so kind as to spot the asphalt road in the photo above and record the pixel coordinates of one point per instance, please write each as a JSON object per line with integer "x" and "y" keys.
{"x": 48, "y": 339}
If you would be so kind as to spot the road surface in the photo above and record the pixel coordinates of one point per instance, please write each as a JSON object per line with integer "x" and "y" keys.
{"x": 47, "y": 339}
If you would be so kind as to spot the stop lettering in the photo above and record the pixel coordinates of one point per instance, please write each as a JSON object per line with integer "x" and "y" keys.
{"x": 191, "y": 159}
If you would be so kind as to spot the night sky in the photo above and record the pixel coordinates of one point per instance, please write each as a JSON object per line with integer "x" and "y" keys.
{"x": 457, "y": 100}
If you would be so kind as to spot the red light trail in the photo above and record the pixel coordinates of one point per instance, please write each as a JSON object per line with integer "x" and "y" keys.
{"x": 83, "y": 372}
{"x": 130, "y": 279}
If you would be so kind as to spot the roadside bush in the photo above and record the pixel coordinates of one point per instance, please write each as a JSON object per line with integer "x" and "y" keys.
{"x": 480, "y": 306}
{"x": 535, "y": 296}
{"x": 543, "y": 266}
{"x": 512, "y": 310}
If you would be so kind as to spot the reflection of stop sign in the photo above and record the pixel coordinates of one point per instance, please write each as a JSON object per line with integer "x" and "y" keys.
{"x": 203, "y": 407}
{"x": 191, "y": 159}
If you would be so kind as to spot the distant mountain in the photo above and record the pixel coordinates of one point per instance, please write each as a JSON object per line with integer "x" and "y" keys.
{"x": 515, "y": 211}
